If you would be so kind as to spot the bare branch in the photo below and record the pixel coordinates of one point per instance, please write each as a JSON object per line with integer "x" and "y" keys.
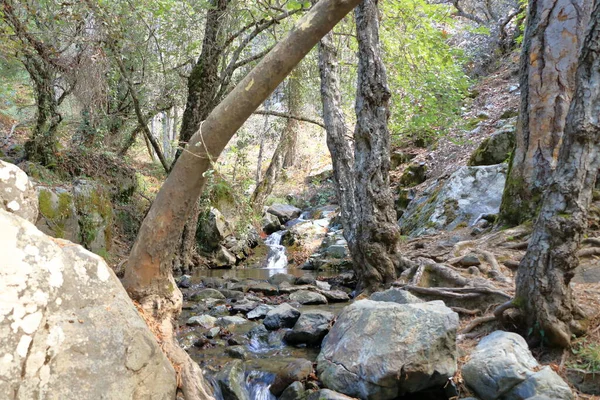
{"x": 289, "y": 116}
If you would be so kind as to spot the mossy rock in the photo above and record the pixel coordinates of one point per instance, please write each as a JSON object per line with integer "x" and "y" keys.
{"x": 398, "y": 158}
{"x": 95, "y": 212}
{"x": 58, "y": 215}
{"x": 413, "y": 175}
{"x": 495, "y": 149}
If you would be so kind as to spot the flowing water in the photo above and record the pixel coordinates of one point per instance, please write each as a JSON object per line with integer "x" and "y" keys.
{"x": 277, "y": 259}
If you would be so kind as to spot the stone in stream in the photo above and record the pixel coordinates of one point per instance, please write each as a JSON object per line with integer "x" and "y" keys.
{"x": 238, "y": 352}
{"x": 295, "y": 391}
{"x": 263, "y": 287}
{"x": 244, "y": 306}
{"x": 188, "y": 340}
{"x": 284, "y": 212}
{"x": 219, "y": 310}
{"x": 231, "y": 381}
{"x": 395, "y": 295}
{"x": 231, "y": 320}
{"x": 335, "y": 296}
{"x": 184, "y": 282}
{"x": 383, "y": 350}
{"x": 282, "y": 316}
{"x": 205, "y": 294}
{"x": 501, "y": 366}
{"x": 323, "y": 285}
{"x": 232, "y": 294}
{"x": 308, "y": 297}
{"x": 297, "y": 370}
{"x": 306, "y": 280}
{"x": 326, "y": 394}
{"x": 311, "y": 328}
{"x": 213, "y": 332}
{"x": 277, "y": 279}
{"x": 204, "y": 321}
{"x": 260, "y": 312}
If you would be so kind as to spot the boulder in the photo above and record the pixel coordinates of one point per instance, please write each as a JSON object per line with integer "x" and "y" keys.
{"x": 231, "y": 381}
{"x": 306, "y": 280}
{"x": 460, "y": 200}
{"x": 231, "y": 320}
{"x": 237, "y": 351}
{"x": 263, "y": 287}
{"x": 502, "y": 366}
{"x": 282, "y": 316}
{"x": 270, "y": 223}
{"x": 413, "y": 175}
{"x": 95, "y": 215}
{"x": 383, "y": 350}
{"x": 204, "y": 321}
{"x": 277, "y": 279}
{"x": 244, "y": 306}
{"x": 58, "y": 215}
{"x": 64, "y": 315}
{"x": 335, "y": 296}
{"x": 326, "y": 394}
{"x": 260, "y": 312}
{"x": 284, "y": 212}
{"x": 297, "y": 370}
{"x": 305, "y": 233}
{"x": 295, "y": 391}
{"x": 395, "y": 295}
{"x": 311, "y": 328}
{"x": 212, "y": 230}
{"x": 204, "y": 294}
{"x": 17, "y": 194}
{"x": 308, "y": 297}
{"x": 222, "y": 257}
{"x": 495, "y": 149}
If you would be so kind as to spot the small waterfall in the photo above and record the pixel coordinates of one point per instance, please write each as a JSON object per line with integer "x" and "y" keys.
{"x": 258, "y": 384}
{"x": 276, "y": 258}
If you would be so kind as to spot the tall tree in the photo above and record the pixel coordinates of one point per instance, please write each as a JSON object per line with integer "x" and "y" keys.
{"x": 362, "y": 174}
{"x": 553, "y": 37}
{"x": 148, "y": 278}
{"x": 543, "y": 291}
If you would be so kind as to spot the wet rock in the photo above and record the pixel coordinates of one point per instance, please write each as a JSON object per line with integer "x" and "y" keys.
{"x": 311, "y": 328}
{"x": 263, "y": 287}
{"x": 213, "y": 332}
{"x": 244, "y": 306}
{"x": 503, "y": 367}
{"x": 278, "y": 279}
{"x": 326, "y": 394}
{"x": 308, "y": 297}
{"x": 270, "y": 223}
{"x": 184, "y": 282}
{"x": 238, "y": 352}
{"x": 231, "y": 320}
{"x": 305, "y": 280}
{"x": 213, "y": 283}
{"x": 17, "y": 194}
{"x": 231, "y": 381}
{"x": 335, "y": 296}
{"x": 64, "y": 314}
{"x": 495, "y": 149}
{"x": 459, "y": 200}
{"x": 260, "y": 312}
{"x": 188, "y": 340}
{"x": 417, "y": 339}
{"x": 395, "y": 295}
{"x": 204, "y": 321}
{"x": 295, "y": 391}
{"x": 297, "y": 370}
{"x": 323, "y": 285}
{"x": 282, "y": 316}
{"x": 284, "y": 212}
{"x": 204, "y": 294}
{"x": 232, "y": 294}
{"x": 219, "y": 310}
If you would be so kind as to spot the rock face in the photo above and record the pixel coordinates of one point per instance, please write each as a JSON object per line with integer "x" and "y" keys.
{"x": 382, "y": 350}
{"x": 17, "y": 194}
{"x": 496, "y": 148}
{"x": 64, "y": 315}
{"x": 462, "y": 199}
{"x": 502, "y": 367}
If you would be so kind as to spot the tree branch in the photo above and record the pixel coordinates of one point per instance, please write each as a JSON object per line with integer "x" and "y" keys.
{"x": 289, "y": 116}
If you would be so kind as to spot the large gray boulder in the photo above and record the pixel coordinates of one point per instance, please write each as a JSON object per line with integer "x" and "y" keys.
{"x": 231, "y": 381}
{"x": 282, "y": 316}
{"x": 284, "y": 212}
{"x": 17, "y": 194}
{"x": 383, "y": 350}
{"x": 66, "y": 316}
{"x": 308, "y": 297}
{"x": 502, "y": 366}
{"x": 311, "y": 328}
{"x": 462, "y": 199}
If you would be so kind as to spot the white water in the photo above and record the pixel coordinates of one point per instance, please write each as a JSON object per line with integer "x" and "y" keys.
{"x": 277, "y": 259}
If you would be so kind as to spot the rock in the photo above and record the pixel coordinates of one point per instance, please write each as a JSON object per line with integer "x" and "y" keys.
{"x": 402, "y": 348}
{"x": 212, "y": 230}
{"x": 295, "y": 391}
{"x": 238, "y": 352}
{"x": 321, "y": 175}
{"x": 231, "y": 320}
{"x": 204, "y": 321}
{"x": 413, "y": 175}
{"x": 398, "y": 158}
{"x": 503, "y": 367}
{"x": 213, "y": 283}
{"x": 222, "y": 257}
{"x": 326, "y": 394}
{"x": 219, "y": 310}
{"x": 270, "y": 223}
{"x": 58, "y": 215}
{"x": 232, "y": 294}
{"x": 297, "y": 370}
{"x": 470, "y": 260}
{"x": 64, "y": 313}
{"x": 308, "y": 297}
{"x": 260, "y": 312}
{"x": 282, "y": 316}
{"x": 277, "y": 279}
{"x": 284, "y": 212}
{"x": 305, "y": 233}
{"x": 213, "y": 332}
{"x": 311, "y": 328}
{"x": 337, "y": 251}
{"x": 495, "y": 149}
{"x": 244, "y": 306}
{"x": 263, "y": 287}
{"x": 460, "y": 200}
{"x": 305, "y": 280}
{"x": 189, "y": 340}
{"x": 327, "y": 212}
{"x": 95, "y": 215}
{"x": 204, "y": 294}
{"x": 335, "y": 296}
{"x": 231, "y": 381}
{"x": 395, "y": 295}
{"x": 17, "y": 194}
{"x": 323, "y": 285}
{"x": 184, "y": 282}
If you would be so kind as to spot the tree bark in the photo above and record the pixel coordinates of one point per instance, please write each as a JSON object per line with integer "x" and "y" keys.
{"x": 553, "y": 37}
{"x": 374, "y": 245}
{"x": 292, "y": 125}
{"x": 148, "y": 277}
{"x": 543, "y": 290}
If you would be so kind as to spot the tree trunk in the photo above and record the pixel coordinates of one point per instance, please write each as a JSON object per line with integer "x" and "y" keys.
{"x": 148, "y": 277}
{"x": 374, "y": 245}
{"x": 42, "y": 146}
{"x": 543, "y": 290}
{"x": 292, "y": 125}
{"x": 261, "y": 150}
{"x": 553, "y": 38}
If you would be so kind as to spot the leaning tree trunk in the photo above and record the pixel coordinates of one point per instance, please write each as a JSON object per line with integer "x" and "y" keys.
{"x": 374, "y": 245}
{"x": 543, "y": 290}
{"x": 553, "y": 38}
{"x": 294, "y": 101}
{"x": 148, "y": 277}
{"x": 42, "y": 146}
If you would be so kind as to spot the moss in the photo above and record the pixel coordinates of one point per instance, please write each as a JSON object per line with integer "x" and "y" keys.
{"x": 56, "y": 214}
{"x": 95, "y": 210}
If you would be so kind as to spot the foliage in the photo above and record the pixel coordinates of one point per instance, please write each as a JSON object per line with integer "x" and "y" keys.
{"x": 588, "y": 356}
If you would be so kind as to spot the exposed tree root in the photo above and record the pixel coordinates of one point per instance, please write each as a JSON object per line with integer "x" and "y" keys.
{"x": 517, "y": 246}
{"x": 499, "y": 311}
{"x": 512, "y": 264}
{"x": 476, "y": 322}
{"x": 457, "y": 293}
{"x": 466, "y": 311}
{"x": 496, "y": 272}
{"x": 591, "y": 241}
{"x": 589, "y": 252}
